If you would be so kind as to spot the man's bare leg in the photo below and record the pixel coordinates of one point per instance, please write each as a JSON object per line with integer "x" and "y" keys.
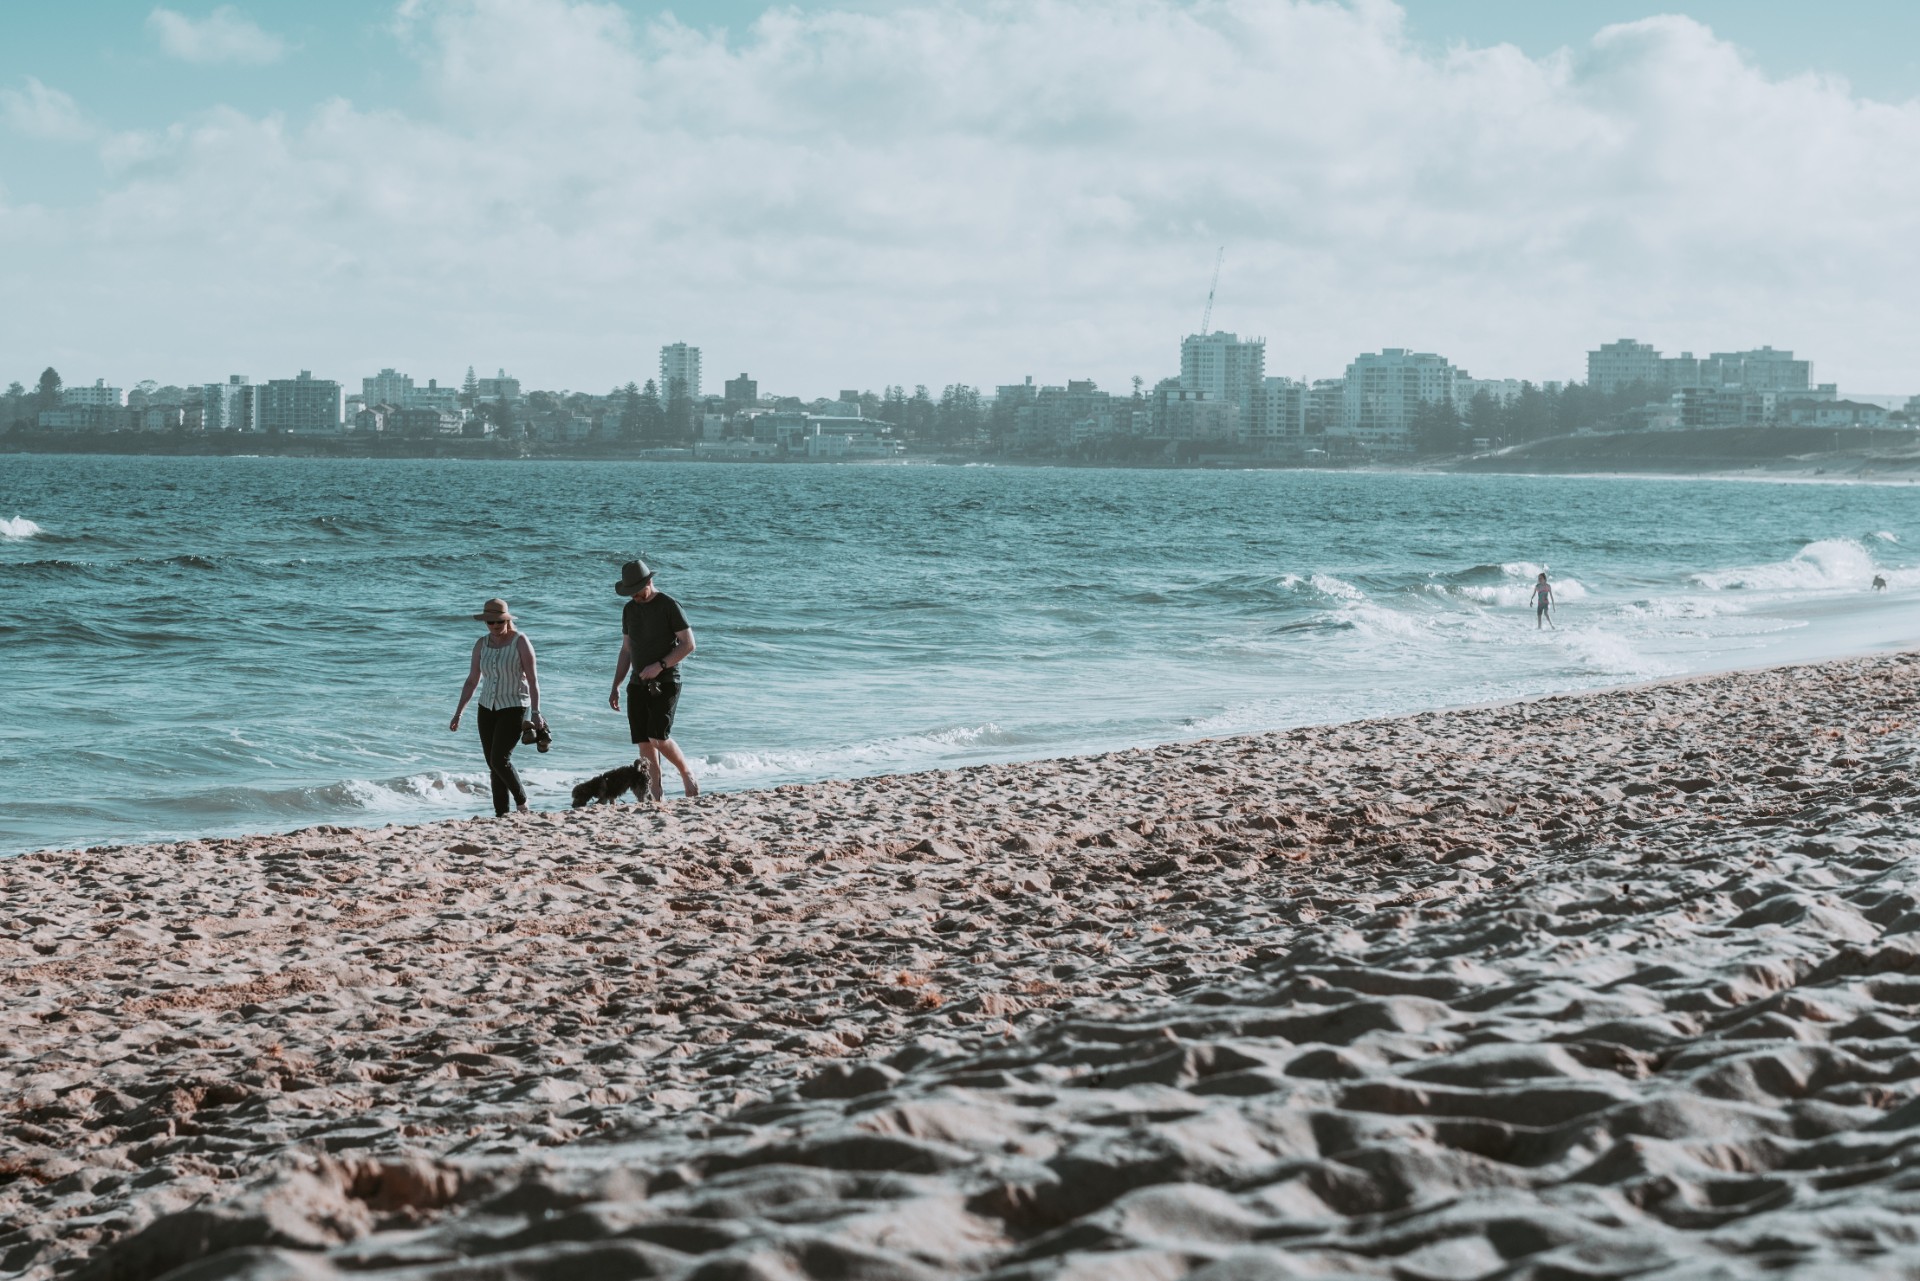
{"x": 650, "y": 753}
{"x": 667, "y": 748}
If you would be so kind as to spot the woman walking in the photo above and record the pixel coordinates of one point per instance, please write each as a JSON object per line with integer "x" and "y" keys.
{"x": 503, "y": 670}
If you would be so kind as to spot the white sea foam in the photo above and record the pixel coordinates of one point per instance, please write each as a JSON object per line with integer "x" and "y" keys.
{"x": 1517, "y": 591}
{"x": 852, "y": 757}
{"x": 18, "y": 528}
{"x": 1338, "y": 588}
{"x": 433, "y": 792}
{"x": 1882, "y": 536}
{"x": 1608, "y": 654}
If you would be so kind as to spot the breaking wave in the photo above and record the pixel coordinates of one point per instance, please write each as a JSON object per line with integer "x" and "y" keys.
{"x": 1830, "y": 564}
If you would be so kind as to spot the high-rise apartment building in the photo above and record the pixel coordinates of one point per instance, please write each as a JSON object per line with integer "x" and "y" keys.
{"x": 386, "y": 388}
{"x": 228, "y": 406}
{"x": 303, "y": 404}
{"x": 1223, "y": 367}
{"x": 680, "y": 364}
{"x": 1326, "y": 405}
{"x": 1384, "y": 390}
{"x": 1760, "y": 370}
{"x": 1763, "y": 369}
{"x": 1278, "y": 415}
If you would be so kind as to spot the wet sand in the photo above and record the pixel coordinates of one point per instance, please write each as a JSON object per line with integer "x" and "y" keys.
{"x": 1614, "y": 984}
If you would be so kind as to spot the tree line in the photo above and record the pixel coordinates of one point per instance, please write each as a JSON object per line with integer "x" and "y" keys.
{"x": 1441, "y": 427}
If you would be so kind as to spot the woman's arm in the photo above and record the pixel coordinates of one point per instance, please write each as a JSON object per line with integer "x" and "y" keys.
{"x": 473, "y": 683}
{"x": 533, "y": 678}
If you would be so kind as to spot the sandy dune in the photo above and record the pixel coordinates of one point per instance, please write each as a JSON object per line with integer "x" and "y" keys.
{"x": 1620, "y": 984}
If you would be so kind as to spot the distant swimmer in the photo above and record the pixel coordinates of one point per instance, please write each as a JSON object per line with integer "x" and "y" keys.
{"x": 1879, "y": 582}
{"x": 1542, "y": 601}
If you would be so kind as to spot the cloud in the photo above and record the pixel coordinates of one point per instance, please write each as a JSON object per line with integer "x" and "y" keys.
{"x": 37, "y": 111}
{"x": 224, "y": 36}
{"x": 937, "y": 192}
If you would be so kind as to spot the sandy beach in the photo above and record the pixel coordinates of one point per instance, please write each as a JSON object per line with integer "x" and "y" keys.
{"x": 1614, "y": 984}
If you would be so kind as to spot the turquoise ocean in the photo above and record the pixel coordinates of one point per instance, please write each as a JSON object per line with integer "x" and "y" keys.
{"x": 213, "y": 646}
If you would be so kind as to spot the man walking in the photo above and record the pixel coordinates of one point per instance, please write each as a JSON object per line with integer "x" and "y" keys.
{"x": 654, "y": 641}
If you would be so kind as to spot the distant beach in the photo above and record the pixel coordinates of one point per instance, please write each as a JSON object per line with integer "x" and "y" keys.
{"x": 1597, "y": 985}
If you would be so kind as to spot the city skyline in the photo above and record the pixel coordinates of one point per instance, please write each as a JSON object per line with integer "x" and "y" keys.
{"x": 1385, "y": 404}
{"x": 937, "y": 193}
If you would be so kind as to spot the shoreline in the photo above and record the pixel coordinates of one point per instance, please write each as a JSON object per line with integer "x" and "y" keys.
{"x": 1049, "y": 759}
{"x": 1633, "y": 966}
{"x": 1591, "y": 457}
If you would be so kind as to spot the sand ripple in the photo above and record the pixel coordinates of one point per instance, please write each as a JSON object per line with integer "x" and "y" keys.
{"x": 1623, "y": 984}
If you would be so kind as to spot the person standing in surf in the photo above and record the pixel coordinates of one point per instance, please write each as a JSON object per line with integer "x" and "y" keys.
{"x": 654, "y": 641}
{"x": 503, "y": 671}
{"x": 1542, "y": 600}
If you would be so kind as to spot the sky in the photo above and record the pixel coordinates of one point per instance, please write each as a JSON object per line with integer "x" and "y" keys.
{"x": 853, "y": 194}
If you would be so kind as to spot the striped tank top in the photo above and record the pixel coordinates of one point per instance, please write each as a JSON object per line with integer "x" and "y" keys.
{"x": 502, "y": 683}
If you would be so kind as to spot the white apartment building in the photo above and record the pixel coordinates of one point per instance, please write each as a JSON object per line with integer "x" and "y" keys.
{"x": 1762, "y": 369}
{"x": 1326, "y": 405}
{"x": 1501, "y": 391}
{"x": 681, "y": 362}
{"x": 97, "y": 396}
{"x": 386, "y": 388}
{"x": 498, "y": 387}
{"x": 303, "y": 404}
{"x": 228, "y": 406}
{"x": 1278, "y": 414}
{"x": 1383, "y": 391}
{"x": 1223, "y": 367}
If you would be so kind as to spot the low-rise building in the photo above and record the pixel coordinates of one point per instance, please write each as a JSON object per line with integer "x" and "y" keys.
{"x": 1837, "y": 413}
{"x": 99, "y": 395}
{"x": 1501, "y": 391}
{"x": 1703, "y": 408}
{"x": 498, "y": 387}
{"x": 1057, "y": 416}
{"x": 419, "y": 422}
{"x": 1183, "y": 414}
{"x": 849, "y": 445}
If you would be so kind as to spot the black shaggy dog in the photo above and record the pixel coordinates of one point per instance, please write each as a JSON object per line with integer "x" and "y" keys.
{"x": 610, "y": 786}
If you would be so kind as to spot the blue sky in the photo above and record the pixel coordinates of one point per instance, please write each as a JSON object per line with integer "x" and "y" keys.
{"x": 816, "y": 197}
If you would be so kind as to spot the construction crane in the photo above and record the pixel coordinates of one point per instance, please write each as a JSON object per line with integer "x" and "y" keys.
{"x": 1207, "y": 317}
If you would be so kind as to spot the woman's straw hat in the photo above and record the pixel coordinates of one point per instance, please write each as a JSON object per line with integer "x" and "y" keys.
{"x": 494, "y": 611}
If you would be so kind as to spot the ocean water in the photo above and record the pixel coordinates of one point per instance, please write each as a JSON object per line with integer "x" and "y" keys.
{"x": 207, "y": 646}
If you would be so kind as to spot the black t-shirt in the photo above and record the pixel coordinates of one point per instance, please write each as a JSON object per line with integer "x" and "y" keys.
{"x": 650, "y": 626}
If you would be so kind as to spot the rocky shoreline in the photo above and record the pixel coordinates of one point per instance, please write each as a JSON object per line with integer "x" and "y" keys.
{"x": 1615, "y": 984}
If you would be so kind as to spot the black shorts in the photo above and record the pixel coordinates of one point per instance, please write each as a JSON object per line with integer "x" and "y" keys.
{"x": 650, "y": 707}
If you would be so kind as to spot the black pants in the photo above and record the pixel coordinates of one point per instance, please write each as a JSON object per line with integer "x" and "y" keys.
{"x": 499, "y": 735}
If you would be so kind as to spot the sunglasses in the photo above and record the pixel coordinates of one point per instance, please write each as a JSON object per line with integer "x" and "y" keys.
{"x": 496, "y": 622}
